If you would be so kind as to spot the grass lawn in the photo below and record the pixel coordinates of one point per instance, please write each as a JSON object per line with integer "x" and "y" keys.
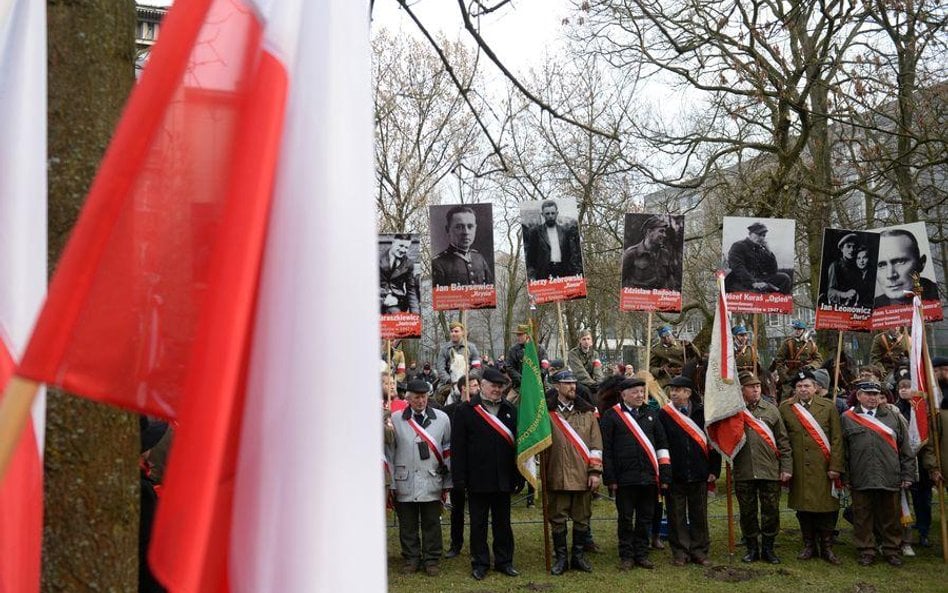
{"x": 921, "y": 574}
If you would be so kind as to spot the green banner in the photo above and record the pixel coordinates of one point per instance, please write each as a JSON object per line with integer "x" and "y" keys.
{"x": 533, "y": 420}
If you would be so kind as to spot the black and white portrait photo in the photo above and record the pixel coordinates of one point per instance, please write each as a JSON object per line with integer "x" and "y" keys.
{"x": 653, "y": 251}
{"x": 551, "y": 239}
{"x": 848, "y": 269}
{"x": 399, "y": 273}
{"x": 904, "y": 252}
{"x": 462, "y": 241}
{"x": 758, "y": 254}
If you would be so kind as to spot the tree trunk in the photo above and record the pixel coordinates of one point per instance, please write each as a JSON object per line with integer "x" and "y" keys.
{"x": 91, "y": 457}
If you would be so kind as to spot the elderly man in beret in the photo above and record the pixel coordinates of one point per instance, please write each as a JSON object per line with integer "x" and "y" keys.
{"x": 760, "y": 466}
{"x": 420, "y": 451}
{"x": 816, "y": 440}
{"x": 635, "y": 464}
{"x": 573, "y": 467}
{"x": 880, "y": 464}
{"x": 694, "y": 465}
{"x": 484, "y": 463}
{"x": 754, "y": 266}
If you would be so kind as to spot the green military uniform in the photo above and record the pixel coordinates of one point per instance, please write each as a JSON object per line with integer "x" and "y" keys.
{"x": 746, "y": 359}
{"x": 810, "y": 488}
{"x": 587, "y": 366}
{"x": 466, "y": 268}
{"x": 667, "y": 360}
{"x": 794, "y": 355}
{"x": 887, "y": 350}
{"x": 757, "y": 469}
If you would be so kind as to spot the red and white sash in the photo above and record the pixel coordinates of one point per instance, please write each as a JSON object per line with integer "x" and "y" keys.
{"x": 813, "y": 428}
{"x": 762, "y": 430}
{"x": 873, "y": 424}
{"x": 656, "y": 457}
{"x": 589, "y": 457}
{"x": 495, "y": 423}
{"x": 439, "y": 454}
{"x": 688, "y": 425}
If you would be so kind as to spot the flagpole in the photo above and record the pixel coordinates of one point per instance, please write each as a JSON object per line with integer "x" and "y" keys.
{"x": 730, "y": 511}
{"x": 839, "y": 353}
{"x": 541, "y": 470}
{"x": 754, "y": 345}
{"x": 935, "y": 437}
{"x": 391, "y": 371}
{"x": 14, "y": 412}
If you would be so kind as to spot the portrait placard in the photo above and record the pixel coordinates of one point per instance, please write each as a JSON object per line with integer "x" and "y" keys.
{"x": 462, "y": 264}
{"x": 552, "y": 250}
{"x": 758, "y": 258}
{"x": 400, "y": 285}
{"x": 904, "y": 252}
{"x": 653, "y": 249}
{"x": 847, "y": 280}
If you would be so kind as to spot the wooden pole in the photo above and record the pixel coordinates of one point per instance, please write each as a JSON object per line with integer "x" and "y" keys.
{"x": 648, "y": 343}
{"x": 547, "y": 553}
{"x": 839, "y": 354}
{"x": 754, "y": 343}
{"x": 14, "y": 413}
{"x": 391, "y": 371}
{"x": 730, "y": 511}
{"x": 467, "y": 357}
{"x": 935, "y": 435}
{"x": 564, "y": 349}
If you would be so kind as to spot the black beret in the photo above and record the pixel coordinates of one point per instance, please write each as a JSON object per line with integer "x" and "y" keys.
{"x": 492, "y": 375}
{"x": 682, "y": 381}
{"x": 630, "y": 383}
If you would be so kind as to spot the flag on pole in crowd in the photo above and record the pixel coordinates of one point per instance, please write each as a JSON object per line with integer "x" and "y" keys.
{"x": 22, "y": 274}
{"x": 534, "y": 432}
{"x": 203, "y": 283}
{"x": 923, "y": 379}
{"x": 723, "y": 403}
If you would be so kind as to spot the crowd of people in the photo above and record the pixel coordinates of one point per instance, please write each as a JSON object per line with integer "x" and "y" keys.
{"x": 639, "y": 437}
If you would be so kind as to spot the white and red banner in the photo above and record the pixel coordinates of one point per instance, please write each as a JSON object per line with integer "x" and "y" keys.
{"x": 920, "y": 364}
{"x": 22, "y": 274}
{"x": 723, "y": 403}
{"x": 203, "y": 276}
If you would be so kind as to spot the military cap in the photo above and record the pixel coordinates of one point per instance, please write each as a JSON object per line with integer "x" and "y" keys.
{"x": 653, "y": 222}
{"x": 802, "y": 375}
{"x": 564, "y": 376}
{"x": 822, "y": 377}
{"x": 869, "y": 387}
{"x": 797, "y": 324}
{"x": 681, "y": 381}
{"x": 664, "y": 330}
{"x": 522, "y": 328}
{"x": 630, "y": 382}
{"x": 847, "y": 238}
{"x": 939, "y": 361}
{"x": 738, "y": 330}
{"x": 757, "y": 228}
{"x": 748, "y": 378}
{"x": 455, "y": 324}
{"x": 492, "y": 375}
{"x": 419, "y": 386}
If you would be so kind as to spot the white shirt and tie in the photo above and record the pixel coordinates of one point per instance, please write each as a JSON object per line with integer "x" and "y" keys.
{"x": 553, "y": 236}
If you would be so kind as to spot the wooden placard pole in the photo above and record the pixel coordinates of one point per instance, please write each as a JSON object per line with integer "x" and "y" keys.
{"x": 839, "y": 353}
{"x": 467, "y": 357}
{"x": 391, "y": 371}
{"x": 564, "y": 348}
{"x": 648, "y": 343}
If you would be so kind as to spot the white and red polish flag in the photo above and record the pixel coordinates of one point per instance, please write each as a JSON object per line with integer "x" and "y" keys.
{"x": 22, "y": 274}
{"x": 723, "y": 403}
{"x": 923, "y": 379}
{"x": 222, "y": 274}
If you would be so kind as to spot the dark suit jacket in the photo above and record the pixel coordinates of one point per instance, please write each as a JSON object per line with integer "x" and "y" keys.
{"x": 482, "y": 460}
{"x": 538, "y": 251}
{"x": 399, "y": 282}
